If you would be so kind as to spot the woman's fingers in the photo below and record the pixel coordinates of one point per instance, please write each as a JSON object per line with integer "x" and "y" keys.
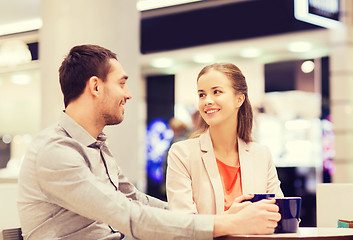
{"x": 243, "y": 198}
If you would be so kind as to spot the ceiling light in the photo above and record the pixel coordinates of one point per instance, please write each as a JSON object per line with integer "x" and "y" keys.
{"x": 20, "y": 79}
{"x": 23, "y": 26}
{"x": 204, "y": 58}
{"x": 17, "y": 139}
{"x": 27, "y": 138}
{"x": 13, "y": 52}
{"x": 297, "y": 124}
{"x": 308, "y": 66}
{"x": 300, "y": 46}
{"x": 143, "y": 5}
{"x": 162, "y": 62}
{"x": 348, "y": 109}
{"x": 6, "y": 139}
{"x": 250, "y": 53}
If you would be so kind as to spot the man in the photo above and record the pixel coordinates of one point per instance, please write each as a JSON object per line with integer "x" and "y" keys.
{"x": 70, "y": 186}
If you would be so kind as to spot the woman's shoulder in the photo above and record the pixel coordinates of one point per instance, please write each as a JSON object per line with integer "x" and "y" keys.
{"x": 185, "y": 144}
{"x": 190, "y": 147}
{"x": 255, "y": 146}
{"x": 187, "y": 151}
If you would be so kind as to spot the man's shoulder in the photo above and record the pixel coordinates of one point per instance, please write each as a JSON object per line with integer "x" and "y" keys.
{"x": 54, "y": 133}
{"x": 52, "y": 147}
{"x": 51, "y": 141}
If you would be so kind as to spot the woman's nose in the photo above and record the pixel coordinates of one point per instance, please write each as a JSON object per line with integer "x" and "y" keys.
{"x": 208, "y": 100}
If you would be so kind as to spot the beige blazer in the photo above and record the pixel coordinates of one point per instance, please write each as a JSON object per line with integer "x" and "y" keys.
{"x": 193, "y": 182}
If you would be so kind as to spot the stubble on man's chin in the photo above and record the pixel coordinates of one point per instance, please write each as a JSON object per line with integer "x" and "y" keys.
{"x": 111, "y": 120}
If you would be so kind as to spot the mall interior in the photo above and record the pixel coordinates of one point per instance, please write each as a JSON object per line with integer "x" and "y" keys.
{"x": 297, "y": 68}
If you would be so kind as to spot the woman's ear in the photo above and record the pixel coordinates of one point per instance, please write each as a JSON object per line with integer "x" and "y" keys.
{"x": 93, "y": 85}
{"x": 240, "y": 100}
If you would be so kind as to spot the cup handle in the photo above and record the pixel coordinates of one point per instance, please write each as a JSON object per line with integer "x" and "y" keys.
{"x": 299, "y": 221}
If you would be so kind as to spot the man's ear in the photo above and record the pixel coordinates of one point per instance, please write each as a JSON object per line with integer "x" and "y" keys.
{"x": 93, "y": 85}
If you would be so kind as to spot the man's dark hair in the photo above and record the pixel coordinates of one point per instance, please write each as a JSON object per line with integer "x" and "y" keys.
{"x": 81, "y": 64}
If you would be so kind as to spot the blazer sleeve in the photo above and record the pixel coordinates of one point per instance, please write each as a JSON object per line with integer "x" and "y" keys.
{"x": 178, "y": 180}
{"x": 273, "y": 183}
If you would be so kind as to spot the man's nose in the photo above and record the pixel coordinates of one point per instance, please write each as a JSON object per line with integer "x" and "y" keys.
{"x": 127, "y": 93}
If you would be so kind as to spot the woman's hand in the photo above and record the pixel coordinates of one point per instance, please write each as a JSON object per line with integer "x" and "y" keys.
{"x": 239, "y": 203}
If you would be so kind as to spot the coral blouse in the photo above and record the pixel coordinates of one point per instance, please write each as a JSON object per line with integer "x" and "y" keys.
{"x": 231, "y": 182}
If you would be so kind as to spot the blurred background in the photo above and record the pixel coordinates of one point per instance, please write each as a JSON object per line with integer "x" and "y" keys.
{"x": 295, "y": 54}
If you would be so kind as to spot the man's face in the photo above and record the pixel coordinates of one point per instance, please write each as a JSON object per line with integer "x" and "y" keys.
{"x": 115, "y": 94}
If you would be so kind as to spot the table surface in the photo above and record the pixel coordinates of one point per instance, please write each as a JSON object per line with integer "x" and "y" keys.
{"x": 303, "y": 233}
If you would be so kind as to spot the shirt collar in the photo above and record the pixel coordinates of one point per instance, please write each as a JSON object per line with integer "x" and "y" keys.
{"x": 77, "y": 132}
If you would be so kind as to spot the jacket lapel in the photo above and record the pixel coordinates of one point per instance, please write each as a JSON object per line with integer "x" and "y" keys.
{"x": 245, "y": 167}
{"x": 210, "y": 163}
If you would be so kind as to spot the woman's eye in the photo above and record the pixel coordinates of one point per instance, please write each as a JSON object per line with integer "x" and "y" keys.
{"x": 217, "y": 91}
{"x": 201, "y": 95}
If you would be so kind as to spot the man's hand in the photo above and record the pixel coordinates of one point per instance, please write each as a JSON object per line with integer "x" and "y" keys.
{"x": 250, "y": 218}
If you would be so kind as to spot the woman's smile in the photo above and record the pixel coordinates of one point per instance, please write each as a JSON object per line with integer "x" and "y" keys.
{"x": 212, "y": 111}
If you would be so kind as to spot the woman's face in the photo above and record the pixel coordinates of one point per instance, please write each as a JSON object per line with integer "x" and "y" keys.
{"x": 218, "y": 102}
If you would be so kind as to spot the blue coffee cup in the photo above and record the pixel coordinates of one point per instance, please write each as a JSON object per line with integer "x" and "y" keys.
{"x": 289, "y": 208}
{"x": 260, "y": 196}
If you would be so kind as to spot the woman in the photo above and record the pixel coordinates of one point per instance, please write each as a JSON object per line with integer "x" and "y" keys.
{"x": 210, "y": 171}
